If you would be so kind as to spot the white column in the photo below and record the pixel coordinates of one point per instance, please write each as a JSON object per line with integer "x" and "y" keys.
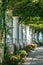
{"x": 15, "y": 30}
{"x": 28, "y": 35}
{"x": 24, "y": 35}
{"x": 20, "y": 35}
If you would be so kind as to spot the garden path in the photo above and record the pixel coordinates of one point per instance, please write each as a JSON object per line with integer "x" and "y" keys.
{"x": 35, "y": 57}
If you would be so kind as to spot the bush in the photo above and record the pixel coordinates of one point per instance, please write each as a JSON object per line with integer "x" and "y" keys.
{"x": 27, "y": 48}
{"x": 22, "y": 53}
{"x": 14, "y": 60}
{"x": 30, "y": 47}
{"x": 33, "y": 45}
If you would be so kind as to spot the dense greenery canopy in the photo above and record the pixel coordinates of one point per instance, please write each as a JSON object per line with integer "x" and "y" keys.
{"x": 29, "y": 11}
{"x": 24, "y": 8}
{"x": 28, "y": 8}
{"x": 37, "y": 27}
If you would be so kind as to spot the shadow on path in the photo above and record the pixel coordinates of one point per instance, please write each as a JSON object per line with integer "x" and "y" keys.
{"x": 35, "y": 57}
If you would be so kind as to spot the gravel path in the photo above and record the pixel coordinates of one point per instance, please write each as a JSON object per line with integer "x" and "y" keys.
{"x": 35, "y": 57}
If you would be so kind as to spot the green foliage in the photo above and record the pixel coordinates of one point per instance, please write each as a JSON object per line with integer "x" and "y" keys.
{"x": 37, "y": 27}
{"x": 27, "y": 49}
{"x": 22, "y": 52}
{"x": 25, "y": 9}
{"x": 14, "y": 60}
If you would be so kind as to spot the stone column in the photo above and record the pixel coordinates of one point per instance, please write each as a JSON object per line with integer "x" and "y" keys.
{"x": 16, "y": 31}
{"x": 28, "y": 35}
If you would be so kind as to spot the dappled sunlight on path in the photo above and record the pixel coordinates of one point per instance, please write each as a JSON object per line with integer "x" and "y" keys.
{"x": 35, "y": 57}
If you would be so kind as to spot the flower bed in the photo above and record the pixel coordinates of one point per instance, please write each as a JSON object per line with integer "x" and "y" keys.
{"x": 20, "y": 55}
